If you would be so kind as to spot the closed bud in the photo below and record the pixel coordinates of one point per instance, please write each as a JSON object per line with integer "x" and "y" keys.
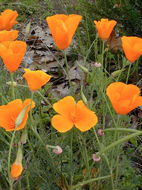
{"x": 96, "y": 158}
{"x": 11, "y": 83}
{"x": 57, "y": 150}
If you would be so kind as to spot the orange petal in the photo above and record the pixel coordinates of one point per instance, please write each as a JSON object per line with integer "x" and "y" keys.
{"x": 105, "y": 27}
{"x": 61, "y": 123}
{"x": 10, "y": 112}
{"x": 122, "y": 106}
{"x": 124, "y": 98}
{"x": 129, "y": 91}
{"x": 8, "y": 35}
{"x": 85, "y": 118}
{"x": 12, "y": 53}
{"x": 113, "y": 91}
{"x": 65, "y": 106}
{"x": 72, "y": 23}
{"x": 8, "y": 19}
{"x": 36, "y": 79}
{"x": 132, "y": 47}
{"x": 16, "y": 170}
{"x": 59, "y": 32}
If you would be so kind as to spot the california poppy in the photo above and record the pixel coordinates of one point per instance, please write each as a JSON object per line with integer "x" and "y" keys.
{"x": 71, "y": 113}
{"x": 16, "y": 170}
{"x": 63, "y": 28}
{"x": 12, "y": 53}
{"x": 8, "y": 35}
{"x": 10, "y": 112}
{"x": 36, "y": 79}
{"x": 105, "y": 27}
{"x": 124, "y": 97}
{"x": 8, "y": 19}
{"x": 132, "y": 47}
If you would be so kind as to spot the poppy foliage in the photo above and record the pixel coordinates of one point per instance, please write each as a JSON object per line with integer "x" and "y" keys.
{"x": 72, "y": 114}
{"x": 63, "y": 28}
{"x": 124, "y": 97}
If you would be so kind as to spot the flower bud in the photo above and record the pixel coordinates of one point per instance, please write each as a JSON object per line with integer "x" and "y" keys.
{"x": 96, "y": 158}
{"x": 100, "y": 132}
{"x": 98, "y": 65}
{"x": 57, "y": 150}
{"x": 16, "y": 170}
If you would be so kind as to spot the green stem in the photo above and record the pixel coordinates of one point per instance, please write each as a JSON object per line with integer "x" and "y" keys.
{"x": 12, "y": 86}
{"x": 9, "y": 158}
{"x": 88, "y": 181}
{"x": 121, "y": 130}
{"x": 67, "y": 68}
{"x": 119, "y": 142}
{"x": 45, "y": 99}
{"x": 71, "y": 156}
{"x": 128, "y": 73}
{"x": 103, "y": 47}
{"x": 106, "y": 159}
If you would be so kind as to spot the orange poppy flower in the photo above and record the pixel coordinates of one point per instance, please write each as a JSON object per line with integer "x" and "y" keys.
{"x": 16, "y": 170}
{"x": 8, "y": 35}
{"x": 63, "y": 28}
{"x": 105, "y": 27}
{"x": 10, "y": 112}
{"x": 12, "y": 53}
{"x": 72, "y": 113}
{"x": 132, "y": 47}
{"x": 124, "y": 97}
{"x": 8, "y": 19}
{"x": 36, "y": 79}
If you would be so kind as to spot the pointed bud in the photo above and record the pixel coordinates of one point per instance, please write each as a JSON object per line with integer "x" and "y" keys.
{"x": 117, "y": 73}
{"x": 17, "y": 168}
{"x": 21, "y": 115}
{"x": 24, "y": 137}
{"x": 83, "y": 68}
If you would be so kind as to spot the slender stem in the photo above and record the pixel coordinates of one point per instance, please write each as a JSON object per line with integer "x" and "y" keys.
{"x": 71, "y": 156}
{"x": 128, "y": 73}
{"x": 28, "y": 183}
{"x": 9, "y": 158}
{"x": 106, "y": 159}
{"x": 88, "y": 181}
{"x": 12, "y": 86}
{"x": 119, "y": 142}
{"x": 67, "y": 68}
{"x": 32, "y": 96}
{"x": 45, "y": 99}
{"x": 103, "y": 47}
{"x": 121, "y": 130}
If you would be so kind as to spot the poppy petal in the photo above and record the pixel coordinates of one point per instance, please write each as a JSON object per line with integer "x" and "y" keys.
{"x": 61, "y": 123}
{"x": 85, "y": 118}
{"x": 72, "y": 23}
{"x": 65, "y": 106}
